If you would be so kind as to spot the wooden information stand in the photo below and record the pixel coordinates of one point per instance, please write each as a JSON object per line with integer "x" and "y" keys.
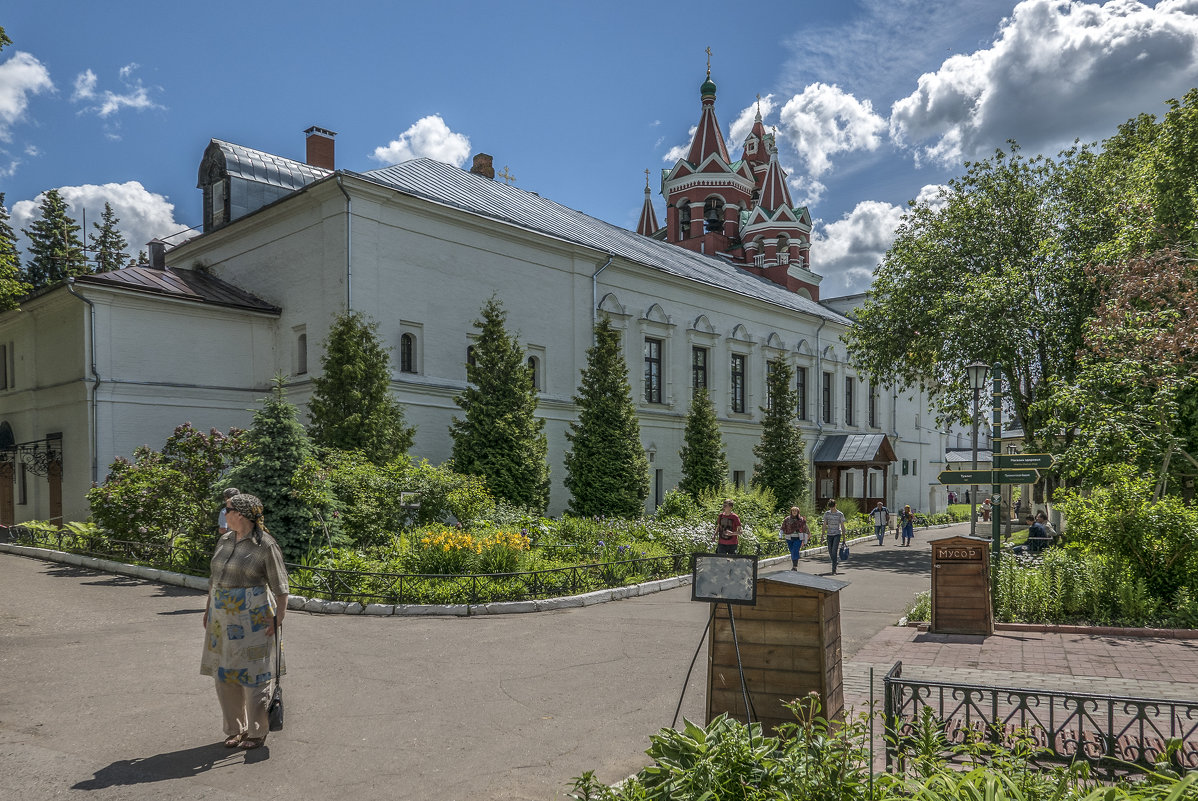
{"x": 789, "y": 647}
{"x": 961, "y": 586}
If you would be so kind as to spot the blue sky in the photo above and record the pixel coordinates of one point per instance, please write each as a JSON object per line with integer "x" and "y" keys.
{"x": 875, "y": 101}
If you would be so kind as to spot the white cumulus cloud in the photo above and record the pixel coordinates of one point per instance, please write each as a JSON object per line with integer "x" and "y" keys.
{"x": 679, "y": 151}
{"x": 744, "y": 123}
{"x": 824, "y": 120}
{"x": 143, "y": 214}
{"x": 847, "y": 251}
{"x": 1056, "y": 70}
{"x": 429, "y": 137}
{"x": 20, "y": 76}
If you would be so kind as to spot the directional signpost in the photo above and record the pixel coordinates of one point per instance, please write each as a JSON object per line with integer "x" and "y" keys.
{"x": 1005, "y": 476}
{"x": 1024, "y": 460}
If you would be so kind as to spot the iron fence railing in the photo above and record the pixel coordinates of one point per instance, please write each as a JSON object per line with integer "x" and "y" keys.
{"x": 1115, "y": 734}
{"x": 164, "y": 556}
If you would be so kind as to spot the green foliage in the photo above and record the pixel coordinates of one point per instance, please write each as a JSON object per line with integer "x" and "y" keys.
{"x": 704, "y": 464}
{"x": 607, "y": 472}
{"x": 159, "y": 496}
{"x": 13, "y": 287}
{"x": 678, "y": 503}
{"x": 277, "y": 447}
{"x": 107, "y": 243}
{"x": 351, "y": 407}
{"x": 445, "y": 494}
{"x": 55, "y": 250}
{"x": 500, "y": 438}
{"x": 781, "y": 453}
{"x": 1154, "y": 540}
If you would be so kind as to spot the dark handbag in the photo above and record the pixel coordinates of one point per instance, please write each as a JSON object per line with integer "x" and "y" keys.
{"x": 275, "y": 710}
{"x": 844, "y": 553}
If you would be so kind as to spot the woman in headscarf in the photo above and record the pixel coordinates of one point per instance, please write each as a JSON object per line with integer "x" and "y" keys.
{"x": 247, "y": 598}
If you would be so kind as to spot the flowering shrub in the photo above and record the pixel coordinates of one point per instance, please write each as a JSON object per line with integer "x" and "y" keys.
{"x": 455, "y": 551}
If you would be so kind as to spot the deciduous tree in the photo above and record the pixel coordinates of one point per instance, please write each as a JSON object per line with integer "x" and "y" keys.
{"x": 500, "y": 437}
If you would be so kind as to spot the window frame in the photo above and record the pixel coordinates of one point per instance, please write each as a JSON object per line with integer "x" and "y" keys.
{"x": 652, "y": 350}
{"x": 700, "y": 370}
{"x": 826, "y": 398}
{"x": 849, "y": 392}
{"x": 407, "y": 353}
{"x": 738, "y": 382}
{"x": 801, "y": 392}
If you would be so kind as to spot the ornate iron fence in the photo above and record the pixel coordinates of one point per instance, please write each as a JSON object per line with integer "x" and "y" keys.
{"x": 1114, "y": 734}
{"x": 178, "y": 558}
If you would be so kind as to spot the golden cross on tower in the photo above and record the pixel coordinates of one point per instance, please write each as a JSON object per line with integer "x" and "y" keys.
{"x": 709, "y": 62}
{"x": 759, "y": 104}
{"x": 646, "y": 180}
{"x": 507, "y": 177}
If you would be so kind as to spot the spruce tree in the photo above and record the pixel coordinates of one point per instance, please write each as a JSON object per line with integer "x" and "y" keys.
{"x": 606, "y": 469}
{"x": 704, "y": 465}
{"x": 142, "y": 260}
{"x": 277, "y": 446}
{"x": 352, "y": 408}
{"x": 12, "y": 285}
{"x": 55, "y": 250}
{"x": 781, "y": 453}
{"x": 107, "y": 244}
{"x": 501, "y": 438}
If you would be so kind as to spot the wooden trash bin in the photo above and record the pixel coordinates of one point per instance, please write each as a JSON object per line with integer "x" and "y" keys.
{"x": 789, "y": 647}
{"x": 961, "y": 586}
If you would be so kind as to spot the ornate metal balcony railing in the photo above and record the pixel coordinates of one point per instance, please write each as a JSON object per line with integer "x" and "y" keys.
{"x": 1114, "y": 734}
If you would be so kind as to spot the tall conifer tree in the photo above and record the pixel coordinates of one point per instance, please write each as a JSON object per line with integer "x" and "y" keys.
{"x": 107, "y": 243}
{"x": 781, "y": 453}
{"x": 501, "y": 438}
{"x": 12, "y": 285}
{"x": 352, "y": 408}
{"x": 606, "y": 469}
{"x": 276, "y": 447}
{"x": 55, "y": 250}
{"x": 704, "y": 463}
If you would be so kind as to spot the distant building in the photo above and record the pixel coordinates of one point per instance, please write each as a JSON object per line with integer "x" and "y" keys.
{"x": 97, "y": 367}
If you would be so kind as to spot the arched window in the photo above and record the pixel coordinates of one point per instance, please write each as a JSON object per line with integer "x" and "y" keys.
{"x": 534, "y": 372}
{"x": 407, "y": 354}
{"x": 684, "y": 217}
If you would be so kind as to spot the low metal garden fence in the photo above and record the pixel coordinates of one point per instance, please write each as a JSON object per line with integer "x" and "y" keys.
{"x": 1114, "y": 734}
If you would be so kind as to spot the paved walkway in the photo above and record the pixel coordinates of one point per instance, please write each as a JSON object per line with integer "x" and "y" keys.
{"x": 100, "y": 690}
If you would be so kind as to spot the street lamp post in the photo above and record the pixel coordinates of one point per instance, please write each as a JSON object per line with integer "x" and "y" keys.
{"x": 977, "y": 381}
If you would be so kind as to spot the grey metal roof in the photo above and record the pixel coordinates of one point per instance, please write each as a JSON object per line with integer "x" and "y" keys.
{"x": 807, "y": 580}
{"x": 444, "y": 183}
{"x": 266, "y": 168}
{"x": 849, "y": 448}
{"x": 959, "y": 457}
{"x": 185, "y": 284}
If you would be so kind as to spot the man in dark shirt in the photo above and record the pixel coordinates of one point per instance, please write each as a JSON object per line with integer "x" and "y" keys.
{"x": 1037, "y": 535}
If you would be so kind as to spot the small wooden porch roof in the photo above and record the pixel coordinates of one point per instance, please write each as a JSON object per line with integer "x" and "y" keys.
{"x": 855, "y": 449}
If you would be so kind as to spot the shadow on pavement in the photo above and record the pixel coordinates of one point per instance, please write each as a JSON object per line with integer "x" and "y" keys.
{"x": 164, "y": 767}
{"x": 868, "y": 556}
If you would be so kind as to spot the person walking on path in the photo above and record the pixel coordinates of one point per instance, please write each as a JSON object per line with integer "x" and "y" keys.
{"x": 727, "y": 529}
{"x": 907, "y": 521}
{"x": 881, "y": 516}
{"x": 221, "y": 527}
{"x": 794, "y": 531}
{"x": 833, "y": 526}
{"x": 247, "y": 598}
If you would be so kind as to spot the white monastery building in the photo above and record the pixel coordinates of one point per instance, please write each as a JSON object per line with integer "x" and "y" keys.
{"x": 96, "y": 367}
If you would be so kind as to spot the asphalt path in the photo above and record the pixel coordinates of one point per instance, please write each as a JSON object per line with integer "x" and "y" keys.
{"x": 100, "y": 690}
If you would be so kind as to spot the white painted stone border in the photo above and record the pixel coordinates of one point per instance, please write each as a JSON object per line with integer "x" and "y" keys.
{"x": 320, "y": 606}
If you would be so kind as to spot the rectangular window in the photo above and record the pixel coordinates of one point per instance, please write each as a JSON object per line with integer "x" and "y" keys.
{"x": 738, "y": 479}
{"x": 801, "y": 391}
{"x": 827, "y": 400}
{"x": 3, "y": 367}
{"x": 849, "y": 382}
{"x": 698, "y": 368}
{"x": 738, "y": 383}
{"x": 905, "y": 467}
{"x": 653, "y": 371}
{"x": 873, "y": 405}
{"x": 770, "y": 368}
{"x": 913, "y": 463}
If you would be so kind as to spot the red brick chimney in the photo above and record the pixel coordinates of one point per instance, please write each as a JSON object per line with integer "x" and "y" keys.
{"x": 320, "y": 147}
{"x": 483, "y": 166}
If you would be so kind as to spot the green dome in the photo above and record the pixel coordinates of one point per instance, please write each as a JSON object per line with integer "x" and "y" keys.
{"x": 708, "y": 87}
